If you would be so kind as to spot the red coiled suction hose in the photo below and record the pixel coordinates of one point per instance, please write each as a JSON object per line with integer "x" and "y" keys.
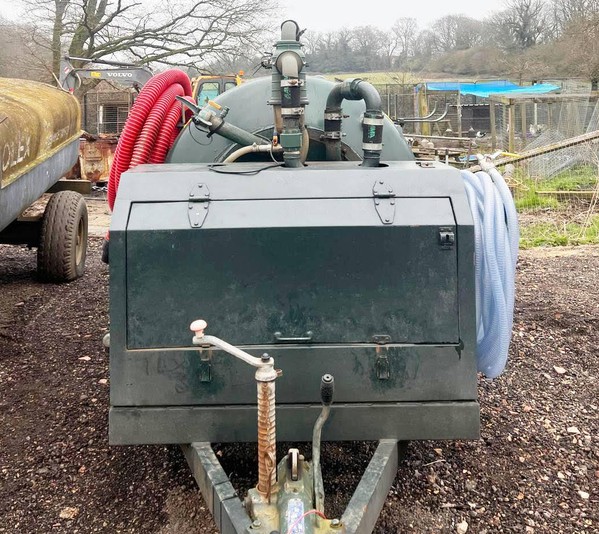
{"x": 150, "y": 129}
{"x": 166, "y": 134}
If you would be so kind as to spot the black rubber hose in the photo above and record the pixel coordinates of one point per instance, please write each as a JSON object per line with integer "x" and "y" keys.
{"x": 355, "y": 89}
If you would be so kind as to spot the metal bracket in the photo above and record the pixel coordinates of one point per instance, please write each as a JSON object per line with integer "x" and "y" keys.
{"x": 446, "y": 238}
{"x": 301, "y": 339}
{"x": 231, "y": 517}
{"x": 381, "y": 339}
{"x": 384, "y": 201}
{"x": 198, "y": 204}
{"x": 383, "y": 367}
{"x": 205, "y": 368}
{"x": 218, "y": 492}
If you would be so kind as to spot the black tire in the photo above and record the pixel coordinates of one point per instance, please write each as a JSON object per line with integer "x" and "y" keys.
{"x": 63, "y": 238}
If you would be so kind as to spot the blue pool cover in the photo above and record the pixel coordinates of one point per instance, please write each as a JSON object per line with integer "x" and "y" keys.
{"x": 485, "y": 89}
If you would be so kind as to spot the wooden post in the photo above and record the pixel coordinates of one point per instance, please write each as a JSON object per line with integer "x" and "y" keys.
{"x": 523, "y": 121}
{"x": 493, "y": 127}
{"x": 422, "y": 107}
{"x": 511, "y": 126}
{"x": 459, "y": 109}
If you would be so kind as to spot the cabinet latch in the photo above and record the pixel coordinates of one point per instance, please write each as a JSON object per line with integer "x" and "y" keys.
{"x": 384, "y": 201}
{"x": 446, "y": 238}
{"x": 198, "y": 204}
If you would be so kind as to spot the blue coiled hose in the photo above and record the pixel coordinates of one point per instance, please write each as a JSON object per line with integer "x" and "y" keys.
{"x": 496, "y": 236}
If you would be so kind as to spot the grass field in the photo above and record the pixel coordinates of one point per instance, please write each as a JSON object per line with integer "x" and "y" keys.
{"x": 396, "y": 77}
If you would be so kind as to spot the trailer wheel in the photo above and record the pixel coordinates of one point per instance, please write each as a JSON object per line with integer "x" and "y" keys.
{"x": 63, "y": 238}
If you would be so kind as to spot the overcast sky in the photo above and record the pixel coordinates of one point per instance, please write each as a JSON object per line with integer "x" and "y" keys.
{"x": 326, "y": 15}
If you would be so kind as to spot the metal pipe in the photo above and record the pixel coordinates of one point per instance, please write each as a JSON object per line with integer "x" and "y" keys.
{"x": 372, "y": 124}
{"x": 327, "y": 387}
{"x": 216, "y": 125}
{"x": 288, "y": 93}
{"x": 305, "y": 144}
{"x": 316, "y": 440}
{"x": 354, "y": 89}
{"x": 234, "y": 156}
{"x": 425, "y": 119}
{"x": 265, "y": 380}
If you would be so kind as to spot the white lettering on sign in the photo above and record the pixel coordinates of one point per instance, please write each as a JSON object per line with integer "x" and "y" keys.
{"x": 120, "y": 74}
{"x": 14, "y": 152}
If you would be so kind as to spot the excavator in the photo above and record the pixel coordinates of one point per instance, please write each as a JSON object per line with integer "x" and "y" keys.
{"x": 96, "y": 154}
{"x": 205, "y": 87}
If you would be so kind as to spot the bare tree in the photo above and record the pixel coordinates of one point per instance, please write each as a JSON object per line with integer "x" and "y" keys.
{"x": 425, "y": 44}
{"x": 524, "y": 23}
{"x": 175, "y": 32}
{"x": 565, "y": 12}
{"x": 15, "y": 45}
{"x": 368, "y": 47}
{"x": 581, "y": 44}
{"x": 456, "y": 32}
{"x": 405, "y": 32}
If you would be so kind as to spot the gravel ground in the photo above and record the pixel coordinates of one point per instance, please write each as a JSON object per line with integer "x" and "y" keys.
{"x": 535, "y": 469}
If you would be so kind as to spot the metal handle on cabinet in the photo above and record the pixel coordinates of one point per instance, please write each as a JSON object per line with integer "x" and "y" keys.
{"x": 307, "y": 337}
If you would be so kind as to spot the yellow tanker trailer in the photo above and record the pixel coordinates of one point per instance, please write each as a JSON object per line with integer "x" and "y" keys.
{"x": 39, "y": 143}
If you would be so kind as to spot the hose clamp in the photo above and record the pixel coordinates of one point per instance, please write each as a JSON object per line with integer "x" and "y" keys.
{"x": 371, "y": 121}
{"x": 292, "y": 82}
{"x": 289, "y": 112}
{"x": 372, "y": 146}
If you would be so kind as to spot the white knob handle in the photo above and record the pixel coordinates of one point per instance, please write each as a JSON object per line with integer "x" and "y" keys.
{"x": 198, "y": 327}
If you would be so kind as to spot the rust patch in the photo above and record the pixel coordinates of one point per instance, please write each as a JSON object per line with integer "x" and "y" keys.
{"x": 96, "y": 154}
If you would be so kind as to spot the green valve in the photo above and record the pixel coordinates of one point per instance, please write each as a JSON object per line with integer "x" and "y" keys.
{"x": 291, "y": 140}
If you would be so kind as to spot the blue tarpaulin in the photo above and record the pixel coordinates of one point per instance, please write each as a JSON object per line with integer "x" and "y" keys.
{"x": 485, "y": 89}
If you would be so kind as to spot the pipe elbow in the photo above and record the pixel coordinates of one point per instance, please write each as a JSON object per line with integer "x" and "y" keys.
{"x": 354, "y": 89}
{"x": 367, "y": 92}
{"x": 289, "y": 64}
{"x": 335, "y": 97}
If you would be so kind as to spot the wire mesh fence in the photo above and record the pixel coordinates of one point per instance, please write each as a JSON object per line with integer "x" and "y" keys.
{"x": 555, "y": 191}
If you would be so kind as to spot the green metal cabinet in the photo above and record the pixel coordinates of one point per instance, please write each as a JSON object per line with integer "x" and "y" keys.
{"x": 367, "y": 274}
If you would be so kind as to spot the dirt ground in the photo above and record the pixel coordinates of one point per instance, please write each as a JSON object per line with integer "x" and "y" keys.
{"x": 535, "y": 468}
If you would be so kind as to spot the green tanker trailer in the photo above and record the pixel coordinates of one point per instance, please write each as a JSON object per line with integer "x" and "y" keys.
{"x": 290, "y": 216}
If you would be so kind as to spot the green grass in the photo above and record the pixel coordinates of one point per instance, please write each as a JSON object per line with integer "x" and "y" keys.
{"x": 530, "y": 200}
{"x": 552, "y": 234}
{"x": 581, "y": 178}
{"x": 557, "y": 232}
